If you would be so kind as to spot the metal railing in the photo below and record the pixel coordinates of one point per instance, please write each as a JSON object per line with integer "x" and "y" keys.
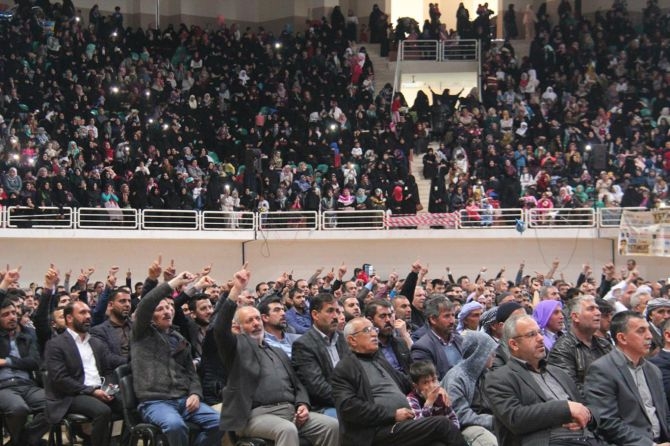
{"x": 611, "y": 217}
{"x": 173, "y": 219}
{"x": 43, "y": 217}
{"x": 454, "y": 50}
{"x": 338, "y": 220}
{"x": 228, "y": 221}
{"x": 287, "y": 221}
{"x": 561, "y": 218}
{"x": 103, "y": 218}
{"x": 439, "y": 51}
{"x": 436, "y": 51}
{"x": 490, "y": 218}
{"x": 17, "y": 217}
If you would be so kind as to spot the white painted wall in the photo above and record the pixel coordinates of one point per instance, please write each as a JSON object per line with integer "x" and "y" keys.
{"x": 303, "y": 253}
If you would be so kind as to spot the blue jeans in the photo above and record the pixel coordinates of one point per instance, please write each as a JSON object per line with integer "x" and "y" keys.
{"x": 171, "y": 416}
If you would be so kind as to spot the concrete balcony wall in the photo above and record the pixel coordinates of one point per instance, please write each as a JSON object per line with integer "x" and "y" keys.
{"x": 465, "y": 251}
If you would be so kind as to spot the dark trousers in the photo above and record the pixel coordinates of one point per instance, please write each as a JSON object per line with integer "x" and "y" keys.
{"x": 100, "y": 414}
{"x": 431, "y": 431}
{"x": 16, "y": 403}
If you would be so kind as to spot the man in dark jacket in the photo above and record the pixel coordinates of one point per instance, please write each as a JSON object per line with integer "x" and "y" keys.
{"x": 19, "y": 395}
{"x": 164, "y": 377}
{"x": 317, "y": 352}
{"x": 370, "y": 398}
{"x": 263, "y": 396}
{"x": 662, "y": 360}
{"x": 76, "y": 364}
{"x": 625, "y": 391}
{"x": 115, "y": 331}
{"x": 440, "y": 344}
{"x": 394, "y": 343}
{"x": 576, "y": 350}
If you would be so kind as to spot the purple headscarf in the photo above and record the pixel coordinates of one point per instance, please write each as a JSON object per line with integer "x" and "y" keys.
{"x": 543, "y": 310}
{"x": 542, "y": 314}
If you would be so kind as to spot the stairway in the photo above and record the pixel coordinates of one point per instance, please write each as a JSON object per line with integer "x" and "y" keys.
{"x": 423, "y": 185}
{"x": 384, "y": 73}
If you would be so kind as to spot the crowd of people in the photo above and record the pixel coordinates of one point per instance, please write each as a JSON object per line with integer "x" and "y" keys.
{"x": 95, "y": 114}
{"x": 582, "y": 121}
{"x": 342, "y": 357}
{"x": 100, "y": 115}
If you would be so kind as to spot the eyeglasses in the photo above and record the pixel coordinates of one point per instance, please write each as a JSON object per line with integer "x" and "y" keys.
{"x": 529, "y": 335}
{"x": 368, "y": 329}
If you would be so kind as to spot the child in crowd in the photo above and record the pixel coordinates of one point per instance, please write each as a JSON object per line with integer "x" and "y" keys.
{"x": 428, "y": 398}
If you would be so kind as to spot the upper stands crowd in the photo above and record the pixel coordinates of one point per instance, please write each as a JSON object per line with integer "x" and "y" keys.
{"x": 97, "y": 114}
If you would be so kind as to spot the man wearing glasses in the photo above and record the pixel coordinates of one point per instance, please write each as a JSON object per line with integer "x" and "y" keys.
{"x": 370, "y": 398}
{"x": 535, "y": 403}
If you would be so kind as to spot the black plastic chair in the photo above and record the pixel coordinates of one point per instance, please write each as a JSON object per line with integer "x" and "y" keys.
{"x": 136, "y": 428}
{"x": 70, "y": 422}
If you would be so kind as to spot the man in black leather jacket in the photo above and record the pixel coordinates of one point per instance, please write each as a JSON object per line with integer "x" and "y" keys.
{"x": 576, "y": 350}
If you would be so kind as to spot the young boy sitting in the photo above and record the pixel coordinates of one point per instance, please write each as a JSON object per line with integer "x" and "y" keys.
{"x": 428, "y": 398}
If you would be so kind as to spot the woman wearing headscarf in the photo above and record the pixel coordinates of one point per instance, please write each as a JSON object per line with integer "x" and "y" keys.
{"x": 463, "y": 385}
{"x": 346, "y": 201}
{"x": 549, "y": 316}
{"x": 395, "y": 200}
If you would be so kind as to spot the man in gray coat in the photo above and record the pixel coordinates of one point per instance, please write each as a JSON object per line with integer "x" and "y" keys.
{"x": 625, "y": 391}
{"x": 535, "y": 404}
{"x": 164, "y": 377}
{"x": 263, "y": 396}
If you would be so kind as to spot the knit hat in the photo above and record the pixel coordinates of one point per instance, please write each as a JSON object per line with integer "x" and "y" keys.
{"x": 465, "y": 312}
{"x": 655, "y": 304}
{"x": 505, "y": 311}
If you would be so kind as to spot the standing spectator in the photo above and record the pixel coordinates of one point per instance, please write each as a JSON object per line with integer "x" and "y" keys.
{"x": 377, "y": 24}
{"x": 509, "y": 23}
{"x": 529, "y": 22}
{"x": 117, "y": 19}
{"x": 351, "y": 30}
{"x": 463, "y": 21}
